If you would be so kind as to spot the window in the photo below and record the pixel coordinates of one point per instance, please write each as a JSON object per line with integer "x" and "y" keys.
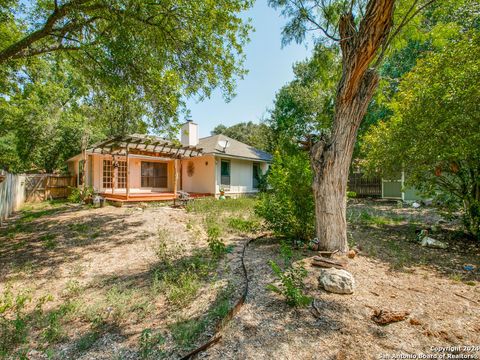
{"x": 107, "y": 174}
{"x": 122, "y": 174}
{"x": 256, "y": 175}
{"x": 225, "y": 173}
{"x": 154, "y": 174}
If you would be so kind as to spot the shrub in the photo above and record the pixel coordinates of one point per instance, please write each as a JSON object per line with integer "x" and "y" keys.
{"x": 291, "y": 284}
{"x": 288, "y": 206}
{"x": 351, "y": 194}
{"x": 80, "y": 195}
{"x": 13, "y": 321}
{"x": 216, "y": 245}
{"x": 150, "y": 343}
{"x": 291, "y": 279}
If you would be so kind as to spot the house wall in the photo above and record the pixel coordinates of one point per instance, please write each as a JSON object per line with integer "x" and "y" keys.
{"x": 202, "y": 180}
{"x": 205, "y": 178}
{"x": 135, "y": 166}
{"x": 241, "y": 175}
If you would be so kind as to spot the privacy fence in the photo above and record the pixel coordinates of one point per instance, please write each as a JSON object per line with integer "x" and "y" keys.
{"x": 17, "y": 189}
{"x": 365, "y": 186}
{"x": 41, "y": 187}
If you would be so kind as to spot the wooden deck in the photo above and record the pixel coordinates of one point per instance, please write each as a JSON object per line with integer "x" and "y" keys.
{"x": 147, "y": 196}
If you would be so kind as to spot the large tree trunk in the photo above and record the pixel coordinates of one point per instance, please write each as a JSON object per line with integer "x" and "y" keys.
{"x": 332, "y": 155}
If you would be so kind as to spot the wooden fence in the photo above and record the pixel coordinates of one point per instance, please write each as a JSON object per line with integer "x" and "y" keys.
{"x": 365, "y": 186}
{"x": 12, "y": 194}
{"x": 41, "y": 187}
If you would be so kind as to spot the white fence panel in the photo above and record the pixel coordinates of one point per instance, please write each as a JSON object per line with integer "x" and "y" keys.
{"x": 12, "y": 194}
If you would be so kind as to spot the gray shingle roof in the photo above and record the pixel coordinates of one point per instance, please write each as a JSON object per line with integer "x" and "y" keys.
{"x": 210, "y": 145}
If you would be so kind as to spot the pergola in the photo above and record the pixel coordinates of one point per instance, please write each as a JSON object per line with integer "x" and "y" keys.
{"x": 145, "y": 145}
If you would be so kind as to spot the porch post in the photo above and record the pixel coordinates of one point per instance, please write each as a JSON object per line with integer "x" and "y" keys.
{"x": 175, "y": 177}
{"x": 128, "y": 175}
{"x": 113, "y": 173}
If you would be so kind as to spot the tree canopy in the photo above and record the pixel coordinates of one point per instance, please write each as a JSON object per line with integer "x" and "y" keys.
{"x": 434, "y": 133}
{"x": 256, "y": 135}
{"x": 109, "y": 67}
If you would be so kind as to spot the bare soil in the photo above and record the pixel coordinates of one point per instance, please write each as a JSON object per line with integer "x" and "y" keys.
{"x": 116, "y": 247}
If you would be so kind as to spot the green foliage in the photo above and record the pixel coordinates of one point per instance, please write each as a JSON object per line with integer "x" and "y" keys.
{"x": 288, "y": 207}
{"x": 305, "y": 106}
{"x": 103, "y": 69}
{"x": 87, "y": 341}
{"x": 186, "y": 332}
{"x": 81, "y": 194}
{"x": 256, "y": 135}
{"x": 435, "y": 129}
{"x": 49, "y": 241}
{"x": 13, "y": 321}
{"x": 216, "y": 245}
{"x": 291, "y": 284}
{"x": 291, "y": 278}
{"x": 150, "y": 344}
{"x": 243, "y": 226}
{"x": 351, "y": 194}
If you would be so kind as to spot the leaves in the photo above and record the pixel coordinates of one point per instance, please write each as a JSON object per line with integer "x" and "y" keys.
{"x": 435, "y": 124}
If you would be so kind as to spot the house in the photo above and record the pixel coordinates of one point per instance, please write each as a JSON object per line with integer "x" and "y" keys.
{"x": 149, "y": 168}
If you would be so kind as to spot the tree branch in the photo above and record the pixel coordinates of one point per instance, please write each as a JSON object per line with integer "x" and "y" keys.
{"x": 59, "y": 12}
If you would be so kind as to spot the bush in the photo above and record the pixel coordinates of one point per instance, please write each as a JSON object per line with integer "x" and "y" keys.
{"x": 216, "y": 245}
{"x": 288, "y": 206}
{"x": 291, "y": 279}
{"x": 81, "y": 195}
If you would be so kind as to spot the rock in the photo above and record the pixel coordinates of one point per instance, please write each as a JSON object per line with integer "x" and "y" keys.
{"x": 416, "y": 205}
{"x": 337, "y": 281}
{"x": 433, "y": 243}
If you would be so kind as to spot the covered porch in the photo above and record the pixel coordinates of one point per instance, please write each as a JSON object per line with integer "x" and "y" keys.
{"x": 137, "y": 168}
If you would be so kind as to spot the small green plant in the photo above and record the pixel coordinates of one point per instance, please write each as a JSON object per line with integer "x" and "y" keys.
{"x": 351, "y": 194}
{"x": 291, "y": 279}
{"x": 49, "y": 241}
{"x": 150, "y": 344}
{"x": 81, "y": 195}
{"x": 291, "y": 284}
{"x": 243, "y": 226}
{"x": 73, "y": 288}
{"x": 13, "y": 321}
{"x": 216, "y": 245}
{"x": 87, "y": 341}
{"x": 186, "y": 332}
{"x": 182, "y": 289}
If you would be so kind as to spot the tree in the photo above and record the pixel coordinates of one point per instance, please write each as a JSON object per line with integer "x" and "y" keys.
{"x": 256, "y": 135}
{"x": 434, "y": 133}
{"x": 159, "y": 52}
{"x": 305, "y": 105}
{"x": 364, "y": 33}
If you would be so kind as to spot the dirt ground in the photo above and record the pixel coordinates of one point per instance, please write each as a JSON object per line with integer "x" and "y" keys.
{"x": 267, "y": 328}
{"x": 98, "y": 250}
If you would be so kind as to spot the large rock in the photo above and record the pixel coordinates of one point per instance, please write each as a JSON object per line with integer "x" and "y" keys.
{"x": 337, "y": 281}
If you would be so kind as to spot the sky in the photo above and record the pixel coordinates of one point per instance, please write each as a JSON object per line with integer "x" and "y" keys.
{"x": 269, "y": 66}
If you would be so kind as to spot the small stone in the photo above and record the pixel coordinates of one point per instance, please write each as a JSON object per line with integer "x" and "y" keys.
{"x": 433, "y": 243}
{"x": 338, "y": 281}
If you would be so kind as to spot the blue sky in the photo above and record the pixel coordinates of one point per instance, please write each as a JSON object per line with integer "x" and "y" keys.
{"x": 270, "y": 67}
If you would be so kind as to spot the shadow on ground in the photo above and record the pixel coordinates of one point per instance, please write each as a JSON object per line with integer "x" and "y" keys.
{"x": 40, "y": 240}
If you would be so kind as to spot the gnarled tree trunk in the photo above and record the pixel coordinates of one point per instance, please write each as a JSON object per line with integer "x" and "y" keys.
{"x": 331, "y": 156}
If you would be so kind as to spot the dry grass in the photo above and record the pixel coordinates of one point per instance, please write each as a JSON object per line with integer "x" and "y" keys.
{"x": 135, "y": 283}
{"x": 128, "y": 282}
